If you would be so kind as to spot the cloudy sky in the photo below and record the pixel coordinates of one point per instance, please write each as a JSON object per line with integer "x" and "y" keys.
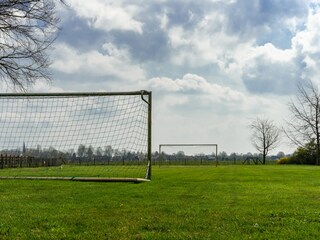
{"x": 213, "y": 65}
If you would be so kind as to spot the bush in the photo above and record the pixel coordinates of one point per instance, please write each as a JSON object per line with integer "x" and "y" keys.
{"x": 285, "y": 160}
{"x": 303, "y": 155}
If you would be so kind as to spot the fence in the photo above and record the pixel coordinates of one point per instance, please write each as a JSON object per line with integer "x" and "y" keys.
{"x": 15, "y": 161}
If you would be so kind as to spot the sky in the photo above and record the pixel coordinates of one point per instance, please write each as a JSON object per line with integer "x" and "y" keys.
{"x": 213, "y": 66}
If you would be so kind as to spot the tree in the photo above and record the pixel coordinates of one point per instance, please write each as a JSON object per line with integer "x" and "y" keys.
{"x": 265, "y": 136}
{"x": 53, "y": 153}
{"x": 223, "y": 155}
{"x": 108, "y": 152}
{"x": 234, "y": 156}
{"x": 89, "y": 152}
{"x": 280, "y": 154}
{"x": 304, "y": 125}
{"x": 81, "y": 150}
{"x": 180, "y": 154}
{"x": 304, "y": 155}
{"x": 27, "y": 30}
{"x": 99, "y": 152}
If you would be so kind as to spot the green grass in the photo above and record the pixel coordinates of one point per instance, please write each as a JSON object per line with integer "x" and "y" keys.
{"x": 227, "y": 202}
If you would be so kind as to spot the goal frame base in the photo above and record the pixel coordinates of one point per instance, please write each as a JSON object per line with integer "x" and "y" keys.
{"x": 81, "y": 179}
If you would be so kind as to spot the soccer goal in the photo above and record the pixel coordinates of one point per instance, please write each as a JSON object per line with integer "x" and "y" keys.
{"x": 188, "y": 154}
{"x": 102, "y": 136}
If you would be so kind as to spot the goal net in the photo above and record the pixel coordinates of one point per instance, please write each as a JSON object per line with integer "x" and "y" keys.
{"x": 76, "y": 136}
{"x": 188, "y": 154}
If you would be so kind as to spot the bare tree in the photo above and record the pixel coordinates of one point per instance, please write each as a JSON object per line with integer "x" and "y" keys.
{"x": 265, "y": 136}
{"x": 304, "y": 125}
{"x": 27, "y": 30}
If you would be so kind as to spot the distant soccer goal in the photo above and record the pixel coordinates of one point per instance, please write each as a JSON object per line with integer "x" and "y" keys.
{"x": 188, "y": 154}
{"x": 103, "y": 136}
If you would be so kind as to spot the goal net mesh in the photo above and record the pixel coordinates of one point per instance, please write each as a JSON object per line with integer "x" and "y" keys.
{"x": 97, "y": 135}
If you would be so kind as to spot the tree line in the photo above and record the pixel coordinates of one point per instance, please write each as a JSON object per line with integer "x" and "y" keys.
{"x": 302, "y": 128}
{"x": 223, "y": 156}
{"x": 108, "y": 153}
{"x": 84, "y": 154}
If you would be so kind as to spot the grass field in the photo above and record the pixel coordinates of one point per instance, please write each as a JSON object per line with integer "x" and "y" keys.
{"x": 227, "y": 202}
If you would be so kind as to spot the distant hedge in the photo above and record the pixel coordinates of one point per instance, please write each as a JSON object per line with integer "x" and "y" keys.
{"x": 303, "y": 155}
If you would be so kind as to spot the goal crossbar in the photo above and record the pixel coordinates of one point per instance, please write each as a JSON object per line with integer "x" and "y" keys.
{"x": 76, "y": 94}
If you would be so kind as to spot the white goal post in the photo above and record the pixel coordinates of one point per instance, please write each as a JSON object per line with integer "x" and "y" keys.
{"x": 86, "y": 136}
{"x": 188, "y": 154}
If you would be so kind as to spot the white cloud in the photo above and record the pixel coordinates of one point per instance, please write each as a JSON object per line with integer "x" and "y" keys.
{"x": 274, "y": 54}
{"x": 114, "y": 62}
{"x": 211, "y": 44}
{"x": 306, "y": 43}
{"x": 189, "y": 82}
{"x": 267, "y": 69}
{"x": 191, "y": 85}
{"x": 108, "y": 15}
{"x": 163, "y": 18}
{"x": 207, "y": 43}
{"x": 238, "y": 54}
{"x": 308, "y": 40}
